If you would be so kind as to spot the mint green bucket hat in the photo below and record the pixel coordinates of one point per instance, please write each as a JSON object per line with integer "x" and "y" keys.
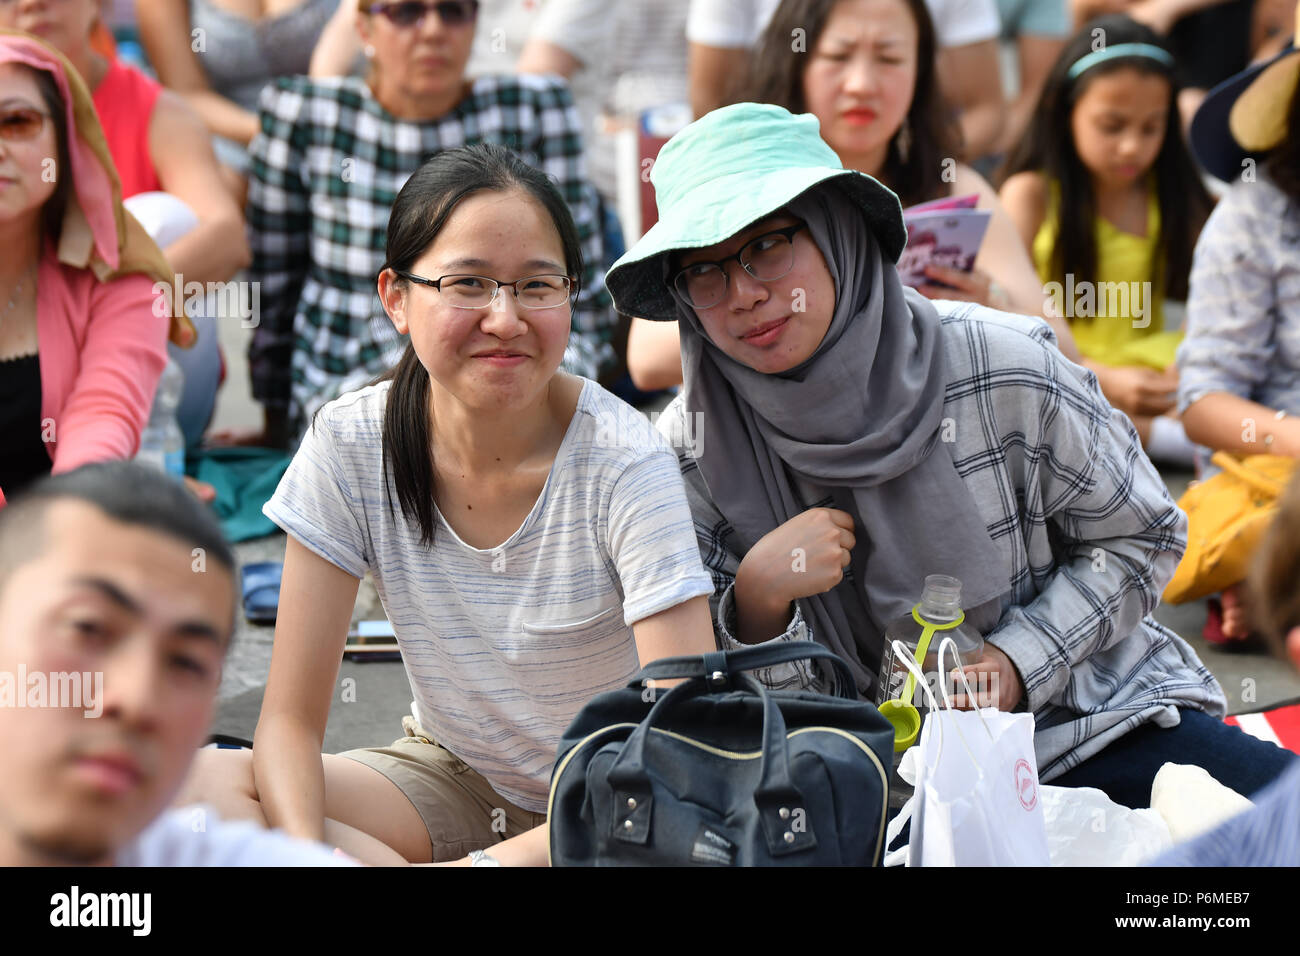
{"x": 726, "y": 170}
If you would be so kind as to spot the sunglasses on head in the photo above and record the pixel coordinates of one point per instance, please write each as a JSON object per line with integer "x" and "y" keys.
{"x": 409, "y": 13}
{"x": 19, "y": 123}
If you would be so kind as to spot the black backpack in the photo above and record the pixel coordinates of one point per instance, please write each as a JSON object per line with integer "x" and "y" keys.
{"x": 718, "y": 770}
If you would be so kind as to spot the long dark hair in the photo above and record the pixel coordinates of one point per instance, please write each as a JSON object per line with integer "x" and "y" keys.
{"x": 52, "y": 214}
{"x": 422, "y": 208}
{"x": 1283, "y": 161}
{"x": 775, "y": 75}
{"x": 1047, "y": 147}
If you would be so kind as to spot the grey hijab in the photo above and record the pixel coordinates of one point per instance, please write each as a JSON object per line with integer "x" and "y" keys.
{"x": 861, "y": 419}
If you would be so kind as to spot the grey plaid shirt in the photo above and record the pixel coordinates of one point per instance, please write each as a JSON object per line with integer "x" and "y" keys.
{"x": 1084, "y": 522}
{"x": 326, "y": 167}
{"x": 1243, "y": 302}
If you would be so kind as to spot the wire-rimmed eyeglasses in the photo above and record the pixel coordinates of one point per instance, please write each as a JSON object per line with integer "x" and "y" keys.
{"x": 479, "y": 292}
{"x": 767, "y": 258}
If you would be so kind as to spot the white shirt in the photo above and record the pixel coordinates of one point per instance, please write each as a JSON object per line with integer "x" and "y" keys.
{"x": 632, "y": 57}
{"x": 504, "y": 645}
{"x": 196, "y": 836}
{"x": 739, "y": 23}
{"x": 579, "y": 27}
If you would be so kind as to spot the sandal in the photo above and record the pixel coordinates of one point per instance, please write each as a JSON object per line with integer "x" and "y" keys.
{"x": 260, "y": 586}
{"x": 1213, "y": 631}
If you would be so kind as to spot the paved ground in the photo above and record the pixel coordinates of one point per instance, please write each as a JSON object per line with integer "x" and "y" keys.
{"x": 380, "y": 694}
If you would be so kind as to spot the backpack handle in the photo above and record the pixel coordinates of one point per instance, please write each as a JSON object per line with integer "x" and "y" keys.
{"x": 718, "y": 666}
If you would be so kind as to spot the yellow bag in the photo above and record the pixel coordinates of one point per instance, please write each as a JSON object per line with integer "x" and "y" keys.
{"x": 1227, "y": 516}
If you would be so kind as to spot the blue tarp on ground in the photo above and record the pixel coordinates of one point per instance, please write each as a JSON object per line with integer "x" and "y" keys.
{"x": 245, "y": 479}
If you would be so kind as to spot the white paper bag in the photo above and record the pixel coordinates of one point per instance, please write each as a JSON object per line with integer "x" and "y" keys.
{"x": 977, "y": 800}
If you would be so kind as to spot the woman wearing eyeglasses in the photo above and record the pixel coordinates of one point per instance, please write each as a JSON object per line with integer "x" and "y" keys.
{"x": 867, "y": 70}
{"x": 527, "y": 532}
{"x": 83, "y": 339}
{"x": 329, "y": 158}
{"x": 157, "y": 142}
{"x": 856, "y": 437}
{"x": 158, "y": 146}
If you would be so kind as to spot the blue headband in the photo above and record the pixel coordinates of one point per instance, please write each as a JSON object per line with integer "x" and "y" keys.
{"x": 1148, "y": 50}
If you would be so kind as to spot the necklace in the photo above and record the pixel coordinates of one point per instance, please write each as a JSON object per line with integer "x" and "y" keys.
{"x": 18, "y": 289}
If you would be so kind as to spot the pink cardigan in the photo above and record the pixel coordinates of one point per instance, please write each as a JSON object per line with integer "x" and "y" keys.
{"x": 102, "y": 350}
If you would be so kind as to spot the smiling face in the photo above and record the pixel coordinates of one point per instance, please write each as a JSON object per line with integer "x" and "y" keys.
{"x": 861, "y": 76}
{"x": 25, "y": 164}
{"x": 124, "y": 602}
{"x": 501, "y": 356}
{"x": 769, "y": 326}
{"x": 1119, "y": 124}
{"x": 416, "y": 63}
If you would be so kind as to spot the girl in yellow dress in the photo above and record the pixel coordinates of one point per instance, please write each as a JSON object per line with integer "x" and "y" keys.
{"x": 1110, "y": 203}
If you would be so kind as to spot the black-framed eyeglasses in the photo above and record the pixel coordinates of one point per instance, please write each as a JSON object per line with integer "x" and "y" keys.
{"x": 409, "y": 13}
{"x": 479, "y": 292}
{"x": 767, "y": 258}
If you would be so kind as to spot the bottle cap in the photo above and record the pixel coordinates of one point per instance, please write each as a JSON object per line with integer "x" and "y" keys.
{"x": 941, "y": 599}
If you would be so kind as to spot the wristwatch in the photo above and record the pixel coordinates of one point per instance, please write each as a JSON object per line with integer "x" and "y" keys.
{"x": 482, "y": 858}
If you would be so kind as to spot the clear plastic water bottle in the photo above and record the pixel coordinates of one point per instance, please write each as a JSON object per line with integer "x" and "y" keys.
{"x": 940, "y": 606}
{"x": 162, "y": 444}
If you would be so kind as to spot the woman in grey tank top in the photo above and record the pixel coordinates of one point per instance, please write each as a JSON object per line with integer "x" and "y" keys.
{"x": 219, "y": 54}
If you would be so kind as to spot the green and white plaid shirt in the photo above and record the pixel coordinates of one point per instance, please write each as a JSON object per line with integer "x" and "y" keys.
{"x": 1084, "y": 522}
{"x": 327, "y": 165}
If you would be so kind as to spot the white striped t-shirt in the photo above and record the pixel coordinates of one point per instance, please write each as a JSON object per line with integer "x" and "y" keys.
{"x": 503, "y": 646}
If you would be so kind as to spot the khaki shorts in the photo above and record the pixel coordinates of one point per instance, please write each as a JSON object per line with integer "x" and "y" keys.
{"x": 459, "y": 807}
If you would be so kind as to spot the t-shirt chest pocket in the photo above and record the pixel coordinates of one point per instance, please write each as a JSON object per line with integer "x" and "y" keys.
{"x": 573, "y": 638}
{"x": 575, "y": 648}
{"x": 578, "y": 623}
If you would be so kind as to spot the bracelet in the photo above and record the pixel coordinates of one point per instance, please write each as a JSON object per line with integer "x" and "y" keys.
{"x": 1268, "y": 439}
{"x": 482, "y": 858}
{"x": 998, "y": 297}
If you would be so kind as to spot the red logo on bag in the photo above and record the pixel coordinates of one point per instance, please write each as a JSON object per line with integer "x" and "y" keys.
{"x": 1026, "y": 784}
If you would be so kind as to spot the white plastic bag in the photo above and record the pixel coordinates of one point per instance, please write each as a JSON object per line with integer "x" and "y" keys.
{"x": 1086, "y": 828}
{"x": 165, "y": 217}
{"x": 1191, "y": 802}
{"x": 977, "y": 797}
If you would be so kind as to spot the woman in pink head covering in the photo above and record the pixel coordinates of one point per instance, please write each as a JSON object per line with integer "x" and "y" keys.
{"x": 82, "y": 333}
